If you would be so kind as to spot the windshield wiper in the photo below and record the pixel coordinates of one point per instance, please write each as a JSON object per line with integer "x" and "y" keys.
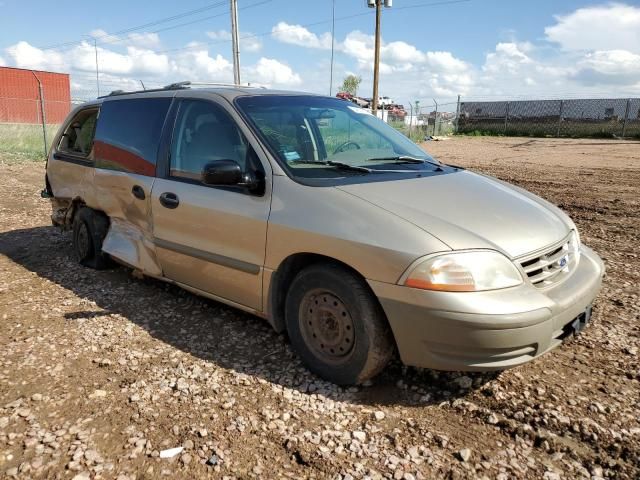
{"x": 405, "y": 159}
{"x": 331, "y": 163}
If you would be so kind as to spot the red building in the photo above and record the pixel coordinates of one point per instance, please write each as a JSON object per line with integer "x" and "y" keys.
{"x": 20, "y": 99}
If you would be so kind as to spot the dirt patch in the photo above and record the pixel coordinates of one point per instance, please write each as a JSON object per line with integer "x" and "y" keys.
{"x": 101, "y": 371}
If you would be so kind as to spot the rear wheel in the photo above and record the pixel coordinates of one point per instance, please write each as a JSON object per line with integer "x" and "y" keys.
{"x": 336, "y": 325}
{"x": 89, "y": 230}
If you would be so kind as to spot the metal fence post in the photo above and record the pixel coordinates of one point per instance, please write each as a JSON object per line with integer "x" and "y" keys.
{"x": 43, "y": 117}
{"x": 560, "y": 117}
{"x": 457, "y": 115}
{"x": 506, "y": 118}
{"x": 626, "y": 115}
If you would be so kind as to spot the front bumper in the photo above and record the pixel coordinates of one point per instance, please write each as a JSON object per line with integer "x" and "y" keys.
{"x": 492, "y": 330}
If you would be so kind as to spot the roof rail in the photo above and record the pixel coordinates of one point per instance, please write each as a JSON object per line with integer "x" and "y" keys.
{"x": 173, "y": 86}
{"x": 188, "y": 83}
{"x": 178, "y": 86}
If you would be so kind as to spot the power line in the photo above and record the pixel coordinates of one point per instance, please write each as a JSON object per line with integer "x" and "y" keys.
{"x": 143, "y": 26}
{"x": 207, "y": 44}
{"x": 313, "y": 24}
{"x": 266, "y": 33}
{"x": 157, "y": 52}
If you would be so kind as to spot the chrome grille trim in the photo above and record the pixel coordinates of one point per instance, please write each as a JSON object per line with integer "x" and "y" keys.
{"x": 544, "y": 267}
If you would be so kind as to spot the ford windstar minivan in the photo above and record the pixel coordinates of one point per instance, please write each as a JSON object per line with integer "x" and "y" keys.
{"x": 312, "y": 213}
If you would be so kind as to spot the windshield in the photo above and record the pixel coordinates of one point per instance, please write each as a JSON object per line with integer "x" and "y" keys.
{"x": 316, "y": 137}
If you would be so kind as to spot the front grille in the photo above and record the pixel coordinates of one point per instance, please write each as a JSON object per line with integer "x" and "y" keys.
{"x": 551, "y": 265}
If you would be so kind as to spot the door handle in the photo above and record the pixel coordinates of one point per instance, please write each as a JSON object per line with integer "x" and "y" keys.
{"x": 169, "y": 200}
{"x": 138, "y": 192}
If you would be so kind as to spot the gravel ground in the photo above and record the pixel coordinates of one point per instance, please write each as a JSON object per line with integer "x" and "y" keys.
{"x": 101, "y": 371}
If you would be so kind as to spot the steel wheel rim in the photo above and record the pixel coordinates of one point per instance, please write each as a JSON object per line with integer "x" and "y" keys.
{"x": 82, "y": 241}
{"x": 327, "y": 326}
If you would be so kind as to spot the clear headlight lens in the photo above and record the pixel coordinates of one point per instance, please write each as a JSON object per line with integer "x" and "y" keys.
{"x": 465, "y": 272}
{"x": 574, "y": 246}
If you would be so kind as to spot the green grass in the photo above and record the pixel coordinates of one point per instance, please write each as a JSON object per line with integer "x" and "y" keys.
{"x": 568, "y": 129}
{"x": 22, "y": 141}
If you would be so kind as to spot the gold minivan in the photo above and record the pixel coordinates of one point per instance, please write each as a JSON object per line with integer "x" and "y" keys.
{"x": 312, "y": 213}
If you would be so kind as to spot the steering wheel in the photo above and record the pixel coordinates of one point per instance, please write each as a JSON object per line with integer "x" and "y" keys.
{"x": 344, "y": 145}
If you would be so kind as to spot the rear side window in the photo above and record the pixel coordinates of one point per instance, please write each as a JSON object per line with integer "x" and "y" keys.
{"x": 128, "y": 134}
{"x": 77, "y": 138}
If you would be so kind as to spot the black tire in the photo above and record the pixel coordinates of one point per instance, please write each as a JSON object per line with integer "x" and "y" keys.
{"x": 89, "y": 229}
{"x": 336, "y": 325}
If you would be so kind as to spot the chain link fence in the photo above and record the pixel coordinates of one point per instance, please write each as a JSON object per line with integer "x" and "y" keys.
{"x": 617, "y": 117}
{"x": 24, "y": 129}
{"x": 421, "y": 122}
{"x": 28, "y": 125}
{"x": 26, "y": 132}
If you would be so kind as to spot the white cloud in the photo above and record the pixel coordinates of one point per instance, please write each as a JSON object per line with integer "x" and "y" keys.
{"x": 401, "y": 53}
{"x": 299, "y": 35}
{"x": 197, "y": 64}
{"x": 144, "y": 40}
{"x": 103, "y": 37}
{"x": 397, "y": 56}
{"x": 24, "y": 55}
{"x": 609, "y": 67}
{"x": 274, "y": 73}
{"x": 446, "y": 62}
{"x": 360, "y": 46}
{"x": 138, "y": 39}
{"x": 2, "y": 62}
{"x": 123, "y": 67}
{"x": 508, "y": 57}
{"x": 248, "y": 42}
{"x": 614, "y": 26}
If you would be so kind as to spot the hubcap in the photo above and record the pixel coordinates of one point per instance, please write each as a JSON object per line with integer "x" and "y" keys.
{"x": 326, "y": 325}
{"x": 83, "y": 242}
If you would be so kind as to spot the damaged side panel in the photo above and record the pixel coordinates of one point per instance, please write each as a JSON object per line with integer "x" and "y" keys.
{"x": 131, "y": 246}
{"x": 71, "y": 183}
{"x": 129, "y": 238}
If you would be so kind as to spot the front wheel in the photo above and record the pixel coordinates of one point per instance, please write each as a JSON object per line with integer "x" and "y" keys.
{"x": 336, "y": 325}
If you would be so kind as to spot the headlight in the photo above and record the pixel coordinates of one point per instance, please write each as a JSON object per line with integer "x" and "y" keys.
{"x": 464, "y": 272}
{"x": 574, "y": 246}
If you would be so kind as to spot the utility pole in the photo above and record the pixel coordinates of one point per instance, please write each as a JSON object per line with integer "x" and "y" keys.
{"x": 333, "y": 42}
{"x": 234, "y": 38}
{"x": 95, "y": 49}
{"x": 377, "y": 4}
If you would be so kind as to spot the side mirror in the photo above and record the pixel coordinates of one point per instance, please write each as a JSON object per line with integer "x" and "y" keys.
{"x": 222, "y": 172}
{"x": 228, "y": 172}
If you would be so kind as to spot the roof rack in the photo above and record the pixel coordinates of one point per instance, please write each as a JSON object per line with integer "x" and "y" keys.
{"x": 179, "y": 86}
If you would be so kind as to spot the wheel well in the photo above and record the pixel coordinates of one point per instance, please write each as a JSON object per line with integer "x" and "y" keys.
{"x": 76, "y": 204}
{"x": 282, "y": 278}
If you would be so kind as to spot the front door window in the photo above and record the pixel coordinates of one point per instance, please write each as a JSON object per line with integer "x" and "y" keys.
{"x": 204, "y": 133}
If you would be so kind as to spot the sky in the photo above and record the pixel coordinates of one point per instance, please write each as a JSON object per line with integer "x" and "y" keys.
{"x": 431, "y": 49}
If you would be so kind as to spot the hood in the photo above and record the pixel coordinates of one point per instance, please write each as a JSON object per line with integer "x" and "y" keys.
{"x": 467, "y": 210}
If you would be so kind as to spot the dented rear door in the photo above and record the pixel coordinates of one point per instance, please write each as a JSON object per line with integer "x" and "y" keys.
{"x": 127, "y": 145}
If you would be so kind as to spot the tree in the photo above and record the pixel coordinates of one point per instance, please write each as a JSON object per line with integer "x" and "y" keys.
{"x": 350, "y": 84}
